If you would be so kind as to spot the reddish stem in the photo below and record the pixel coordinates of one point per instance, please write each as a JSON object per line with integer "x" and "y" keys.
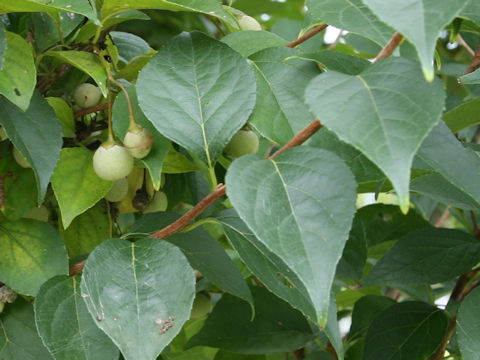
{"x": 390, "y": 47}
{"x": 307, "y": 36}
{"x": 91, "y": 109}
{"x": 299, "y": 139}
{"x": 475, "y": 62}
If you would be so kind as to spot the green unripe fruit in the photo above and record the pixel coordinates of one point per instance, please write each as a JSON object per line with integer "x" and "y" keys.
{"x": 138, "y": 141}
{"x": 158, "y": 203}
{"x": 20, "y": 159}
{"x": 118, "y": 191}
{"x": 201, "y": 306}
{"x": 112, "y": 161}
{"x": 243, "y": 142}
{"x": 149, "y": 184}
{"x": 38, "y": 213}
{"x": 249, "y": 23}
{"x": 86, "y": 95}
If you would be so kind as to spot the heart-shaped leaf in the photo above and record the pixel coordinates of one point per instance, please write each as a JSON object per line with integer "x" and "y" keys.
{"x": 31, "y": 252}
{"x": 351, "y": 15}
{"x": 300, "y": 206}
{"x": 197, "y": 92}
{"x": 386, "y": 111}
{"x": 65, "y": 326}
{"x": 139, "y": 293}
{"x": 75, "y": 183}
{"x": 420, "y": 21}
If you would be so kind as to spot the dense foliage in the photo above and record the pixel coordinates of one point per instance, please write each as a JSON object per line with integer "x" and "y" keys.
{"x": 191, "y": 179}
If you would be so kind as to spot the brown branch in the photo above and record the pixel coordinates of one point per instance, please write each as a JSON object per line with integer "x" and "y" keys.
{"x": 307, "y": 36}
{"x": 443, "y": 218}
{"x": 390, "y": 47}
{"x": 184, "y": 221}
{"x": 299, "y": 139}
{"x": 465, "y": 45}
{"x": 91, "y": 109}
{"x": 439, "y": 354}
{"x": 77, "y": 268}
{"x": 475, "y": 61}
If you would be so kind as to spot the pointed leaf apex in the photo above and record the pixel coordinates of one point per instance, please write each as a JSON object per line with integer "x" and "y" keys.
{"x": 404, "y": 204}
{"x": 428, "y": 73}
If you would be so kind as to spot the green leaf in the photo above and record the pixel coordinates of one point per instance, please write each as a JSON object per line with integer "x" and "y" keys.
{"x": 37, "y": 134}
{"x": 426, "y": 256}
{"x": 250, "y": 41}
{"x": 82, "y": 7}
{"x": 409, "y": 330}
{"x": 420, "y": 21}
{"x": 208, "y": 7}
{"x": 139, "y": 293}
{"x": 64, "y": 115}
{"x": 87, "y": 231}
{"x": 160, "y": 146}
{"x": 129, "y": 45}
{"x": 177, "y": 163}
{"x": 332, "y": 329}
{"x": 276, "y": 327}
{"x": 472, "y": 11}
{"x": 393, "y": 110}
{"x": 385, "y": 223}
{"x": 65, "y": 326}
{"x": 364, "y": 312}
{"x": 338, "y": 61}
{"x": 289, "y": 204}
{"x": 459, "y": 166}
{"x": 280, "y": 112}
{"x": 470, "y": 79}
{"x": 197, "y": 92}
{"x": 87, "y": 62}
{"x": 31, "y": 252}
{"x": 468, "y": 326}
{"x": 354, "y": 255}
{"x": 264, "y": 264}
{"x": 76, "y": 185}
{"x": 3, "y": 44}
{"x": 351, "y": 15}
{"x": 19, "y": 339}
{"x": 18, "y": 75}
{"x": 202, "y": 251}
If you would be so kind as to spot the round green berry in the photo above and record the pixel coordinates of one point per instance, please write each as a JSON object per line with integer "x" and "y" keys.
{"x": 87, "y": 95}
{"x": 243, "y": 142}
{"x": 112, "y": 161}
{"x": 138, "y": 141}
{"x": 249, "y": 23}
{"x": 118, "y": 191}
{"x": 158, "y": 203}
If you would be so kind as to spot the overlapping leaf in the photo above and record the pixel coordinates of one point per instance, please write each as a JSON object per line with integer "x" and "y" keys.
{"x": 37, "y": 134}
{"x": 280, "y": 111}
{"x": 139, "y": 293}
{"x": 386, "y": 111}
{"x": 18, "y": 75}
{"x": 276, "y": 326}
{"x": 82, "y": 7}
{"x": 197, "y": 92}
{"x": 66, "y": 327}
{"x": 3, "y": 45}
{"x": 209, "y": 7}
{"x": 351, "y": 15}
{"x": 397, "y": 332}
{"x": 76, "y": 185}
{"x": 300, "y": 206}
{"x": 31, "y": 252}
{"x": 250, "y": 42}
{"x": 457, "y": 166}
{"x": 468, "y": 326}
{"x": 420, "y": 21}
{"x": 19, "y": 338}
{"x": 426, "y": 257}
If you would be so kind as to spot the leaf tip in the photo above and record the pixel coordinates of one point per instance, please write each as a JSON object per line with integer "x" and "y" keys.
{"x": 429, "y": 74}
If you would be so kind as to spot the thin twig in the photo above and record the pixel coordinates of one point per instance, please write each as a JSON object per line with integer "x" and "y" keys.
{"x": 390, "y": 47}
{"x": 475, "y": 61}
{"x": 307, "y": 36}
{"x": 335, "y": 43}
{"x": 476, "y": 230}
{"x": 465, "y": 45}
{"x": 444, "y": 217}
{"x": 184, "y": 221}
{"x": 77, "y": 268}
{"x": 91, "y": 109}
{"x": 299, "y": 139}
{"x": 439, "y": 354}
